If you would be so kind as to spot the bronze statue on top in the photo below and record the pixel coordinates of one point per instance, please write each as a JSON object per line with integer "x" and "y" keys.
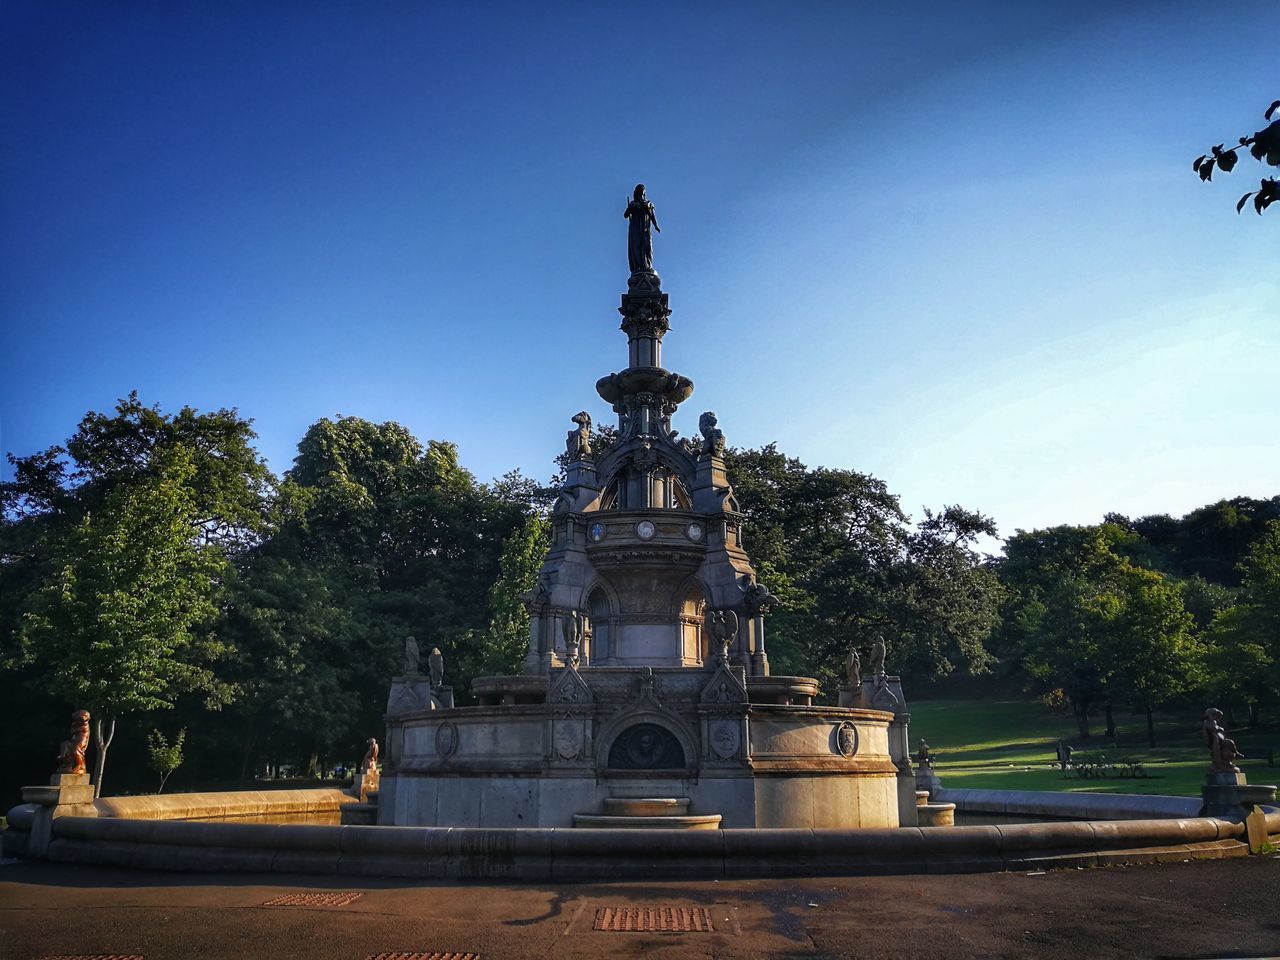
{"x": 639, "y": 241}
{"x": 71, "y": 753}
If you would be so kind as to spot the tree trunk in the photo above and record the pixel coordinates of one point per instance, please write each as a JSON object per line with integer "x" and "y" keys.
{"x": 1151, "y": 728}
{"x": 1082, "y": 719}
{"x": 1111, "y": 722}
{"x": 101, "y": 744}
{"x": 1255, "y": 715}
{"x": 249, "y": 741}
{"x": 1231, "y": 715}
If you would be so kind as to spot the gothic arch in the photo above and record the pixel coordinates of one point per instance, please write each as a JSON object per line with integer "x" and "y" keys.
{"x": 647, "y": 712}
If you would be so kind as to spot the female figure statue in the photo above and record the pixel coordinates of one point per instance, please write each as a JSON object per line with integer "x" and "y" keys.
{"x": 639, "y": 241}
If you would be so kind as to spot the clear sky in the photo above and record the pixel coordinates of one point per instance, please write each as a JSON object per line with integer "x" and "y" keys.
{"x": 958, "y": 246}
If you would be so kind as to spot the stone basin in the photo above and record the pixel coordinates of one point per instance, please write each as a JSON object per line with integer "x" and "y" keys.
{"x": 707, "y": 822}
{"x": 646, "y": 806}
{"x": 937, "y": 814}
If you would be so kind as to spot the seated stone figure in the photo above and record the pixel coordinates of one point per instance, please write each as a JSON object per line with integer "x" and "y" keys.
{"x": 712, "y": 436}
{"x": 71, "y": 753}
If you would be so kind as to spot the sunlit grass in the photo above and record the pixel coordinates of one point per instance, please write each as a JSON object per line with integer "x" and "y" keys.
{"x": 1010, "y": 745}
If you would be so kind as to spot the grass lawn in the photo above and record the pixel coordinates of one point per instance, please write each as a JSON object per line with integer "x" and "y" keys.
{"x": 1009, "y": 745}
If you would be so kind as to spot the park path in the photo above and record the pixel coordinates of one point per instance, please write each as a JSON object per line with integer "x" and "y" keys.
{"x": 1228, "y": 908}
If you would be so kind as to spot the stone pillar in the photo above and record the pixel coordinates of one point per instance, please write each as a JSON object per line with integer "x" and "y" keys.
{"x": 532, "y": 662}
{"x": 759, "y": 659}
{"x": 68, "y": 794}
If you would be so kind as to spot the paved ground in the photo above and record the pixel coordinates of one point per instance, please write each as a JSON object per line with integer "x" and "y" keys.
{"x": 1228, "y": 908}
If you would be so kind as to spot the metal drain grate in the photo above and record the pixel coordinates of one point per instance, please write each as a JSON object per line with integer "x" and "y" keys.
{"x": 314, "y": 900}
{"x": 654, "y": 919}
{"x": 423, "y": 956}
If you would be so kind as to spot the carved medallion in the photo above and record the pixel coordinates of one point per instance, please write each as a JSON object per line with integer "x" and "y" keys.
{"x": 694, "y": 532}
{"x": 447, "y": 739}
{"x": 847, "y": 739}
{"x": 645, "y": 530}
{"x": 568, "y": 739}
{"x": 725, "y": 739}
{"x": 597, "y": 532}
{"x": 646, "y": 746}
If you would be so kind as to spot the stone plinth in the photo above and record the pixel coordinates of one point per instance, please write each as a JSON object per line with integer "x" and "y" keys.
{"x": 412, "y": 693}
{"x": 68, "y": 794}
{"x": 1229, "y": 794}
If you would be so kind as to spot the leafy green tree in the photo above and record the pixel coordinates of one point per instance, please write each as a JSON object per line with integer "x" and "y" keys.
{"x": 500, "y": 650}
{"x": 837, "y": 551}
{"x": 1081, "y": 616}
{"x": 165, "y": 757}
{"x": 378, "y": 537}
{"x": 1245, "y": 638}
{"x": 118, "y": 624}
{"x": 1157, "y": 655}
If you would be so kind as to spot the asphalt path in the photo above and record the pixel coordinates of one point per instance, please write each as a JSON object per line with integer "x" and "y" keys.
{"x": 1225, "y": 908}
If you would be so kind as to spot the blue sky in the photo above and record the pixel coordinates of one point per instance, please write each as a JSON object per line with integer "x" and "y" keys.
{"x": 957, "y": 246}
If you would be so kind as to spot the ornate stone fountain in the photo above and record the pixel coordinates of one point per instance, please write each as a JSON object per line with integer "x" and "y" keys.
{"x": 646, "y": 676}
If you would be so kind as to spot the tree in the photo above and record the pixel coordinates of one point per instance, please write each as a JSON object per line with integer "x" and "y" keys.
{"x": 1264, "y": 146}
{"x": 70, "y": 501}
{"x": 1082, "y": 616}
{"x": 501, "y": 649}
{"x": 165, "y": 757}
{"x": 378, "y": 537}
{"x": 837, "y": 551}
{"x": 1245, "y": 638}
{"x": 118, "y": 622}
{"x": 1151, "y": 638}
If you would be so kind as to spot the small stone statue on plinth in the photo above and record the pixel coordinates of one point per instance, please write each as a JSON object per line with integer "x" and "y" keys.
{"x": 878, "y": 652}
{"x": 435, "y": 665}
{"x": 69, "y": 793}
{"x": 571, "y": 628}
{"x": 412, "y": 691}
{"x": 71, "y": 753}
{"x": 926, "y": 780}
{"x": 370, "y": 761}
{"x": 366, "y": 781}
{"x": 851, "y": 692}
{"x": 924, "y": 756}
{"x": 724, "y": 629}
{"x": 578, "y": 443}
{"x": 1222, "y": 751}
{"x": 1226, "y": 791}
{"x": 712, "y": 436}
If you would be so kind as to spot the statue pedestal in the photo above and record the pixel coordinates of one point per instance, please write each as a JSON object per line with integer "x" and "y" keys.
{"x": 927, "y": 781}
{"x": 68, "y": 794}
{"x": 1229, "y": 794}
{"x": 366, "y": 783}
{"x": 414, "y": 692}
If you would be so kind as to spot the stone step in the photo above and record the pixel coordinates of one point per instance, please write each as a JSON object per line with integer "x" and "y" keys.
{"x": 646, "y": 806}
{"x": 665, "y": 822}
{"x": 359, "y": 814}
